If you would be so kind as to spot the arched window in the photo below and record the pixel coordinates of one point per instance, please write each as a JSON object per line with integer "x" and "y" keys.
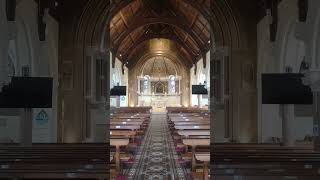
{"x": 114, "y": 80}
{"x": 202, "y": 78}
{"x": 146, "y": 79}
{"x": 12, "y": 59}
{"x": 12, "y": 70}
{"x": 116, "y": 77}
{"x": 172, "y": 84}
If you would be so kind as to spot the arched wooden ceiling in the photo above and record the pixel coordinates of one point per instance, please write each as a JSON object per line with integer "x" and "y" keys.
{"x": 176, "y": 20}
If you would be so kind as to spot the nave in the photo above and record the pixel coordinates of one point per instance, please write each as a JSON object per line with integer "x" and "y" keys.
{"x": 159, "y": 152}
{"x": 157, "y": 158}
{"x": 176, "y": 145}
{"x": 231, "y": 88}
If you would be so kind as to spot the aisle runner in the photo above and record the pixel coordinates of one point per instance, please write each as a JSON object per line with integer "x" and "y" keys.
{"x": 157, "y": 158}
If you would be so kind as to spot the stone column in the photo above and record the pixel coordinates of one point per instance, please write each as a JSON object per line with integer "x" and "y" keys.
{"x": 106, "y": 73}
{"x": 118, "y": 101}
{"x": 91, "y": 96}
{"x": 287, "y": 125}
{"x": 211, "y": 105}
{"x": 26, "y": 127}
{"x": 4, "y": 45}
{"x": 312, "y": 79}
{"x": 93, "y": 78}
{"x": 106, "y": 68}
{"x": 221, "y": 100}
{"x": 199, "y": 100}
{"x": 103, "y": 104}
{"x": 316, "y": 120}
{"x": 26, "y": 123}
{"x": 179, "y": 85}
{"x": 139, "y": 85}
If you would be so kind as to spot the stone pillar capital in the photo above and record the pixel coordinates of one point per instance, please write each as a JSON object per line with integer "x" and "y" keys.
{"x": 221, "y": 52}
{"x": 312, "y": 79}
{"x": 92, "y": 51}
{"x": 103, "y": 55}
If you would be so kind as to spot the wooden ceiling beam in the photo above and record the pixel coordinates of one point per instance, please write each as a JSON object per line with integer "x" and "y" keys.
{"x": 124, "y": 19}
{"x": 194, "y": 52}
{"x": 197, "y": 6}
{"x": 205, "y": 12}
{"x": 128, "y": 55}
{"x": 195, "y": 17}
{"x": 140, "y": 21}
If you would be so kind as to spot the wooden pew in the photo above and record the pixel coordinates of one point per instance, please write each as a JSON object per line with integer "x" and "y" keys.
{"x": 127, "y": 123}
{"x": 54, "y": 161}
{"x": 244, "y": 160}
{"x": 117, "y": 143}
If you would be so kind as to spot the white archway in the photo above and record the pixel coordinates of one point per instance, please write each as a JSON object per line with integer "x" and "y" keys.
{"x": 293, "y": 50}
{"x": 316, "y": 42}
{"x": 24, "y": 48}
{"x": 297, "y": 123}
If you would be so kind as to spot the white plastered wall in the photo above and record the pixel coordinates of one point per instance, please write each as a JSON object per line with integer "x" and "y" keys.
{"x": 202, "y": 74}
{"x": 40, "y": 57}
{"x": 118, "y": 77}
{"x": 273, "y": 57}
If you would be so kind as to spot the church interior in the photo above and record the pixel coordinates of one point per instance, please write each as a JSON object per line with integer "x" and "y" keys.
{"x": 160, "y": 89}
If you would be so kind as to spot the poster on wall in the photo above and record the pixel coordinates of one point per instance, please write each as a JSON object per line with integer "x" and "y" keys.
{"x": 123, "y": 101}
{"x": 41, "y": 125}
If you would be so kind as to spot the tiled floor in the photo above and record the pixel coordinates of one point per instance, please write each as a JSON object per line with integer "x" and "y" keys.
{"x": 157, "y": 159}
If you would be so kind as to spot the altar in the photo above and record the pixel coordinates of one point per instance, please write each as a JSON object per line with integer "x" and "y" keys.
{"x": 160, "y": 92}
{"x": 159, "y": 100}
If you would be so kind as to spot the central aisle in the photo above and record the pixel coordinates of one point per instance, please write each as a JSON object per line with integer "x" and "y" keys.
{"x": 157, "y": 158}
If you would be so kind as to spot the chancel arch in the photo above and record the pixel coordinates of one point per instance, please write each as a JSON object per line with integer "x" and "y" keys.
{"x": 217, "y": 27}
{"x": 95, "y": 29}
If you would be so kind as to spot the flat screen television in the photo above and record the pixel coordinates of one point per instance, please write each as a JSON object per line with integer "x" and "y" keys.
{"x": 199, "y": 89}
{"x": 27, "y": 92}
{"x": 285, "y": 89}
{"x": 118, "y": 91}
